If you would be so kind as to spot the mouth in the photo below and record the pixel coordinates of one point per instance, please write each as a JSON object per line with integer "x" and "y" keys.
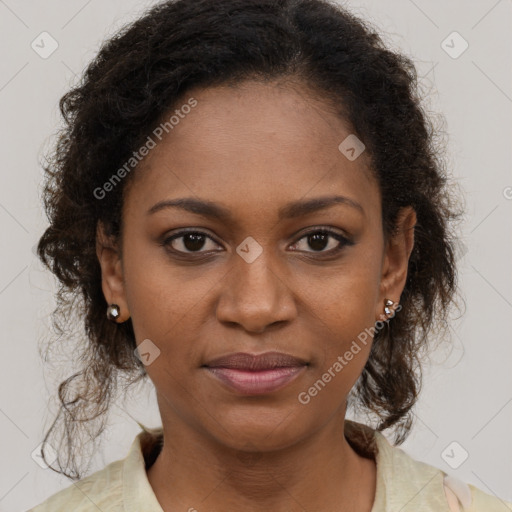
{"x": 256, "y": 374}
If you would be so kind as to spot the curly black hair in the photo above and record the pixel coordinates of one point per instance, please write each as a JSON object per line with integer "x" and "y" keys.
{"x": 140, "y": 75}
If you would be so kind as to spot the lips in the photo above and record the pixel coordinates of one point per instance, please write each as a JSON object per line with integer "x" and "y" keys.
{"x": 249, "y": 362}
{"x": 256, "y": 374}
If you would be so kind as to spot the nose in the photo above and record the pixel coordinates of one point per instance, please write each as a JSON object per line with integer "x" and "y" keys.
{"x": 255, "y": 296}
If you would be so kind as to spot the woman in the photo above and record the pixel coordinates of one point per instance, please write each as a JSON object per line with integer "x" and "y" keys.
{"x": 248, "y": 199}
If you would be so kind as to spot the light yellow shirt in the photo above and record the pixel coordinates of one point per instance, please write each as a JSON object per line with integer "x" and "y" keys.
{"x": 403, "y": 484}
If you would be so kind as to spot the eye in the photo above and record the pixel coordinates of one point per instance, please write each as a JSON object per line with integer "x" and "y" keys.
{"x": 189, "y": 242}
{"x": 320, "y": 239}
{"x": 192, "y": 241}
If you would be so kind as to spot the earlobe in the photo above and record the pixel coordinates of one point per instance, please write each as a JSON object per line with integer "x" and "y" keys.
{"x": 112, "y": 279}
{"x": 396, "y": 258}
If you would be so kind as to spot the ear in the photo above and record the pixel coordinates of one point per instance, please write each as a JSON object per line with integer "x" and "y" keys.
{"x": 112, "y": 281}
{"x": 396, "y": 260}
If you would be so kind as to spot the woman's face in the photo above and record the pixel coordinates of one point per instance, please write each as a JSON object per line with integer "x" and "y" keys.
{"x": 252, "y": 280}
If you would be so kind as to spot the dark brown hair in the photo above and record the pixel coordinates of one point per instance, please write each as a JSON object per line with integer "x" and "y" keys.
{"x": 141, "y": 74}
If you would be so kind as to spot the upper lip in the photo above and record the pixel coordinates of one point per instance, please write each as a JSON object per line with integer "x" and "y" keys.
{"x": 265, "y": 361}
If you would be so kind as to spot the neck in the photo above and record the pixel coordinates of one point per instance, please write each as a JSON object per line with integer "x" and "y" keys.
{"x": 322, "y": 472}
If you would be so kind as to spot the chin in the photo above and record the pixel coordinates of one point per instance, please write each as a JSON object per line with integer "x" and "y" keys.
{"x": 259, "y": 430}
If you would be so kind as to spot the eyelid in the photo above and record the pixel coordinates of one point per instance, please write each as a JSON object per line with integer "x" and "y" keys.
{"x": 325, "y": 229}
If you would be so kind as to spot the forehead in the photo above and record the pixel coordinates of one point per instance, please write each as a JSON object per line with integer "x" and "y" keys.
{"x": 261, "y": 144}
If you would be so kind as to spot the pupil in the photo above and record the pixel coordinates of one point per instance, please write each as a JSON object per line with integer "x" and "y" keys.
{"x": 197, "y": 241}
{"x": 314, "y": 241}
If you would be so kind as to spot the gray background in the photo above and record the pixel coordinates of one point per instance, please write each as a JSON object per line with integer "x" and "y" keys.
{"x": 467, "y": 395}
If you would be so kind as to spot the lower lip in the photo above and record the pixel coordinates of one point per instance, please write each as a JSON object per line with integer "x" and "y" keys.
{"x": 256, "y": 382}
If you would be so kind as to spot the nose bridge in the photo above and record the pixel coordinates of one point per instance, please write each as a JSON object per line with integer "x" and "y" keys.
{"x": 254, "y": 294}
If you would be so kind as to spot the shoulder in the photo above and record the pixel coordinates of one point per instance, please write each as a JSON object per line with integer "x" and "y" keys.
{"x": 121, "y": 486}
{"x": 407, "y": 484}
{"x": 101, "y": 490}
{"x": 483, "y": 502}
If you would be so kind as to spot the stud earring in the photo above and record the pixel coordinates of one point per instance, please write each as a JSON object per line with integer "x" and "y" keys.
{"x": 387, "y": 304}
{"x": 113, "y": 312}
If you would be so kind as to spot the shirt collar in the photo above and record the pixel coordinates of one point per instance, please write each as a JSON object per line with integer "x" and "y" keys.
{"x": 402, "y": 483}
{"x": 137, "y": 491}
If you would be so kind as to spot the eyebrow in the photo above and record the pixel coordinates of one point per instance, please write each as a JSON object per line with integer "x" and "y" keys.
{"x": 291, "y": 210}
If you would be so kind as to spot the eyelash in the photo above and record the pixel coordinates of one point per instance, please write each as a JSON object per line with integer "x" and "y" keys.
{"x": 343, "y": 241}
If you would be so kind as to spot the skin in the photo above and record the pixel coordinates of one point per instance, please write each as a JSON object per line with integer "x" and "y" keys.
{"x": 254, "y": 149}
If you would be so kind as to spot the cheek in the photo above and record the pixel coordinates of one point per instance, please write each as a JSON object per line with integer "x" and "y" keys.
{"x": 345, "y": 299}
{"x": 339, "y": 365}
{"x": 163, "y": 299}
{"x": 345, "y": 318}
